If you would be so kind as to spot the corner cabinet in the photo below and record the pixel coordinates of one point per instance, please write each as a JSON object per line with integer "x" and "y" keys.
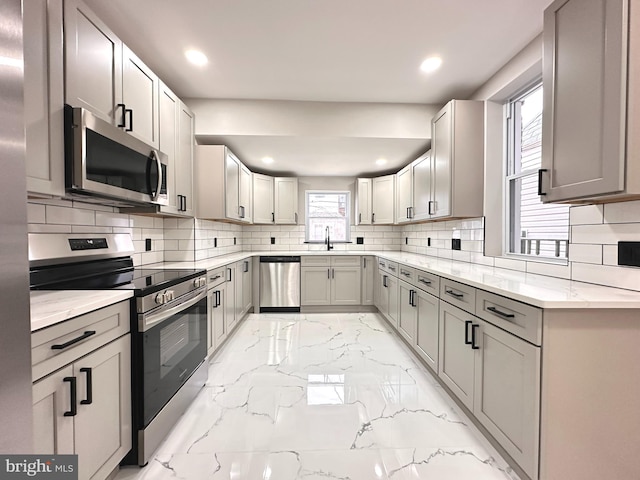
{"x": 587, "y": 154}
{"x": 105, "y": 77}
{"x": 383, "y": 200}
{"x": 223, "y": 185}
{"x": 263, "y": 211}
{"x": 44, "y": 97}
{"x": 457, "y": 160}
{"x": 413, "y": 189}
{"x": 275, "y": 200}
{"x": 404, "y": 194}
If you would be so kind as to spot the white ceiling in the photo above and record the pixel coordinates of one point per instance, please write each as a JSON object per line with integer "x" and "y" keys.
{"x": 325, "y": 51}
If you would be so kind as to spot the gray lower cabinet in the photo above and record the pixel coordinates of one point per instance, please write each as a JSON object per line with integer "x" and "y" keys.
{"x": 97, "y": 426}
{"x": 315, "y": 286}
{"x": 368, "y": 280}
{"x": 330, "y": 280}
{"x": 244, "y": 288}
{"x": 387, "y": 297}
{"x": 216, "y": 302}
{"x": 427, "y": 328}
{"x": 407, "y": 312}
{"x": 230, "y": 310}
{"x": 345, "y": 285}
{"x": 496, "y": 375}
{"x": 381, "y": 294}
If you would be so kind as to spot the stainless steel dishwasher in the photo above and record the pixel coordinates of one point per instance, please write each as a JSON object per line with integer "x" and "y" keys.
{"x": 280, "y": 284}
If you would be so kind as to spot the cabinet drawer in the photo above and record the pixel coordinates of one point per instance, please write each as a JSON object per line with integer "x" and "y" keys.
{"x": 53, "y": 347}
{"x": 345, "y": 261}
{"x": 392, "y": 268}
{"x": 524, "y": 321}
{"x": 315, "y": 260}
{"x": 428, "y": 282}
{"x": 458, "y": 294}
{"x": 407, "y": 274}
{"x": 215, "y": 277}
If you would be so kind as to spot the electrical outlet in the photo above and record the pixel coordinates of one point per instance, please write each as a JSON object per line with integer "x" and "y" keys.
{"x": 629, "y": 254}
{"x": 455, "y": 244}
{"x": 406, "y": 240}
{"x": 273, "y": 240}
{"x": 428, "y": 241}
{"x": 359, "y": 240}
{"x": 215, "y": 242}
{"x": 234, "y": 240}
{"x": 147, "y": 244}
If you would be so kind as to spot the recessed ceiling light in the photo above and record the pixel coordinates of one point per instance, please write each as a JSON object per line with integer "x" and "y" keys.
{"x": 381, "y": 161}
{"x": 431, "y": 64}
{"x": 267, "y": 160}
{"x": 196, "y": 57}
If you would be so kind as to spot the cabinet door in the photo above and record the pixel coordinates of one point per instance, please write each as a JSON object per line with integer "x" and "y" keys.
{"x": 218, "y": 322}
{"x": 140, "y": 87}
{"x": 103, "y": 423}
{"x": 441, "y": 149}
{"x": 345, "y": 285}
{"x": 404, "y": 198}
{"x": 427, "y": 326}
{"x": 93, "y": 63}
{"x": 232, "y": 186}
{"x": 507, "y": 392}
{"x": 583, "y": 141}
{"x": 263, "y": 211}
{"x": 394, "y": 299}
{"x": 364, "y": 197}
{"x": 407, "y": 312}
{"x": 247, "y": 286}
{"x": 381, "y": 293}
{"x": 368, "y": 279}
{"x": 230, "y": 299}
{"x": 286, "y": 200}
{"x": 52, "y": 431}
{"x": 169, "y": 108}
{"x": 246, "y": 201}
{"x": 43, "y": 97}
{"x": 315, "y": 286}
{"x": 456, "y": 359}
{"x": 383, "y": 203}
{"x": 421, "y": 187}
{"x": 184, "y": 166}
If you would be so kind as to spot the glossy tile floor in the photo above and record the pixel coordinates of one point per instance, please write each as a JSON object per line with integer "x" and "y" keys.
{"x": 321, "y": 396}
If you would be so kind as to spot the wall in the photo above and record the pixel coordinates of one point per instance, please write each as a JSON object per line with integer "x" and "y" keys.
{"x": 191, "y": 239}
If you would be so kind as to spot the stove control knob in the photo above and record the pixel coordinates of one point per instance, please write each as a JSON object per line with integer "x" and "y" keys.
{"x": 196, "y": 282}
{"x": 161, "y": 299}
{"x": 203, "y": 281}
{"x": 169, "y": 295}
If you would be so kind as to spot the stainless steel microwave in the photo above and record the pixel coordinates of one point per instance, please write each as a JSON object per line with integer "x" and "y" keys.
{"x": 105, "y": 164}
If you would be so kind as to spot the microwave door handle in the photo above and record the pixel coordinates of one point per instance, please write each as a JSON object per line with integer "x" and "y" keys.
{"x": 154, "y": 195}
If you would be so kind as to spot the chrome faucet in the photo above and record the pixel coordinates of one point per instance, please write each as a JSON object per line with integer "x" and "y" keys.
{"x": 327, "y": 240}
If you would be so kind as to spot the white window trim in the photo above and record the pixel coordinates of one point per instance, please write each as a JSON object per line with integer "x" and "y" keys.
{"x": 347, "y": 218}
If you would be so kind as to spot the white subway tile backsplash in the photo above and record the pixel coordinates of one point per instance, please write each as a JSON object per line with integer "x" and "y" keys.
{"x": 511, "y": 264}
{"x": 140, "y": 221}
{"x": 609, "y": 254}
{"x": 586, "y": 215}
{"x": 36, "y": 213}
{"x": 69, "y": 216}
{"x": 621, "y": 277}
{"x": 44, "y": 228}
{"x": 607, "y": 234}
{"x": 112, "y": 219}
{"x": 624, "y": 212}
{"x": 585, "y": 253}
{"x": 90, "y": 229}
{"x": 549, "y": 269}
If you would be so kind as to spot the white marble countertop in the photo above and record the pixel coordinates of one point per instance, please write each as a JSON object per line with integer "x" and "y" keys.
{"x": 538, "y": 290}
{"x": 49, "y": 307}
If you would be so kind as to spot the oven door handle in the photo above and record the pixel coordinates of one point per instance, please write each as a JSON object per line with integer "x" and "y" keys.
{"x": 148, "y": 321}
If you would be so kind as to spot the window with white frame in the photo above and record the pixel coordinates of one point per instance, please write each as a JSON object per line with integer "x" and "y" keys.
{"x": 327, "y": 209}
{"x": 534, "y": 229}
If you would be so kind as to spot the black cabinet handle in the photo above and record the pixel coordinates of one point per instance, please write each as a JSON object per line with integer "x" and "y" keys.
{"x": 89, "y": 373}
{"x": 359, "y": 218}
{"x": 333, "y": 273}
{"x": 130, "y": 127}
{"x": 466, "y": 332}
{"x": 216, "y": 300}
{"x": 228, "y": 274}
{"x": 540, "y": 172}
{"x": 429, "y": 207}
{"x": 426, "y": 282}
{"x": 295, "y": 217}
{"x": 473, "y": 336}
{"x": 384, "y": 281}
{"x": 122, "y": 124}
{"x": 454, "y": 294}
{"x": 329, "y": 273}
{"x": 373, "y": 218}
{"x": 245, "y": 267}
{"x": 412, "y": 298}
{"x": 62, "y": 346}
{"x": 406, "y": 274}
{"x": 499, "y": 313}
{"x": 74, "y": 397}
{"x": 273, "y": 217}
{"x": 408, "y": 213}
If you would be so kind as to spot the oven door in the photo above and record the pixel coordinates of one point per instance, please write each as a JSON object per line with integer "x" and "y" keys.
{"x": 106, "y": 161}
{"x": 173, "y": 343}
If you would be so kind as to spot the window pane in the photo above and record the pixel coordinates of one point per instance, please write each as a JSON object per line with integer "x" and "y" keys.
{"x": 534, "y": 228}
{"x": 327, "y": 209}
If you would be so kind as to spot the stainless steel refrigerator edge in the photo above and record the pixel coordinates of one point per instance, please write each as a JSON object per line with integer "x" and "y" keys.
{"x": 15, "y": 340}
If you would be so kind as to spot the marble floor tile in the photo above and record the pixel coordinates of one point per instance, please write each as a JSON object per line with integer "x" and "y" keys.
{"x": 321, "y": 396}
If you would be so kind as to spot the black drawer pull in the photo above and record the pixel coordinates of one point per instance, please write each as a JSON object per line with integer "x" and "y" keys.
{"x": 62, "y": 346}
{"x": 466, "y": 332}
{"x": 473, "y": 336}
{"x": 426, "y": 282}
{"x": 124, "y": 110}
{"x": 454, "y": 294}
{"x": 74, "y": 408}
{"x": 89, "y": 399}
{"x": 211, "y": 279}
{"x": 499, "y": 313}
{"x": 540, "y": 172}
{"x": 406, "y": 274}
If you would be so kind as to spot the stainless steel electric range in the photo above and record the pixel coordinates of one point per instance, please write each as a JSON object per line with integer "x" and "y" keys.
{"x": 168, "y": 322}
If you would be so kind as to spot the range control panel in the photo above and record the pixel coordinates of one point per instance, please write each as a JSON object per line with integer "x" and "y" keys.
{"x": 88, "y": 243}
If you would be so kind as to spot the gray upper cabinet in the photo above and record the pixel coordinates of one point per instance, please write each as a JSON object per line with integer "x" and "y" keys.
{"x": 363, "y": 201}
{"x": 223, "y": 185}
{"x": 286, "y": 200}
{"x": 140, "y": 87}
{"x": 184, "y": 165}
{"x": 93, "y": 63}
{"x": 383, "y": 200}
{"x": 586, "y": 153}
{"x": 457, "y": 160}
{"x": 169, "y": 106}
{"x": 263, "y": 211}
{"x": 404, "y": 194}
{"x": 44, "y": 97}
{"x": 105, "y": 77}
